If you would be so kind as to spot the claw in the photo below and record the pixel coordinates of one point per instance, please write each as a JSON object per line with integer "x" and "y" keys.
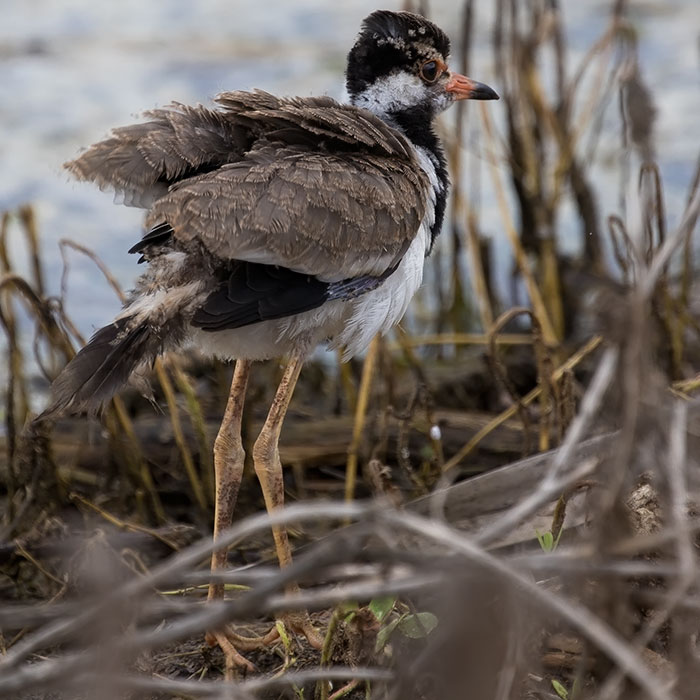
{"x": 235, "y": 661}
{"x": 300, "y": 623}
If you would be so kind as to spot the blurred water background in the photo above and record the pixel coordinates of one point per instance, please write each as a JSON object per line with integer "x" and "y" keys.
{"x": 71, "y": 70}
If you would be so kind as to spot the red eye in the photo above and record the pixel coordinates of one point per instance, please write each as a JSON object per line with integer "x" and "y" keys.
{"x": 430, "y": 71}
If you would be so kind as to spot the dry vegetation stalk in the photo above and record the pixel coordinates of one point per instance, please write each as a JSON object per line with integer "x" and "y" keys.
{"x": 136, "y": 461}
{"x": 536, "y": 298}
{"x": 188, "y": 462}
{"x": 572, "y": 362}
{"x": 66, "y": 243}
{"x": 413, "y": 341}
{"x": 194, "y": 409}
{"x": 499, "y": 369}
{"x": 363, "y": 397}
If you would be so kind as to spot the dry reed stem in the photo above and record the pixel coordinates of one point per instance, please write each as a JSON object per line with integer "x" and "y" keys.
{"x": 29, "y": 226}
{"x": 476, "y": 266}
{"x": 459, "y": 339}
{"x": 346, "y": 381}
{"x": 194, "y": 409}
{"x": 501, "y": 372}
{"x": 539, "y": 307}
{"x": 670, "y": 246}
{"x": 558, "y": 476}
{"x": 687, "y": 272}
{"x": 628, "y": 260}
{"x": 123, "y": 524}
{"x": 232, "y": 690}
{"x": 368, "y": 370}
{"x": 323, "y": 687}
{"x": 65, "y": 243}
{"x": 136, "y": 461}
{"x": 41, "y": 311}
{"x": 462, "y": 215}
{"x": 685, "y": 574}
{"x": 195, "y": 482}
{"x": 572, "y": 362}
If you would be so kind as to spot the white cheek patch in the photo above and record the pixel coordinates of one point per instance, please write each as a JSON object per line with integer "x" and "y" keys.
{"x": 392, "y": 93}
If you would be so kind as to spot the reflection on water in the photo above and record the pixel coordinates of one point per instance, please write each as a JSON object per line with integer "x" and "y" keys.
{"x": 71, "y": 70}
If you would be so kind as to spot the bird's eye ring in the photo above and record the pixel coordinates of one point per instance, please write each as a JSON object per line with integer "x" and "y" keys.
{"x": 430, "y": 71}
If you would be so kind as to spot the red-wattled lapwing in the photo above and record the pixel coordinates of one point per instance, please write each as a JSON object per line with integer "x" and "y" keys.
{"x": 275, "y": 224}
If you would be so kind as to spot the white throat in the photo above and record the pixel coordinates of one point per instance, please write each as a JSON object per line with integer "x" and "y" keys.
{"x": 392, "y": 93}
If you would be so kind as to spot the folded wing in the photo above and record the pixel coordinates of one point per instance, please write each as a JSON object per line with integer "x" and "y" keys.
{"x": 306, "y": 184}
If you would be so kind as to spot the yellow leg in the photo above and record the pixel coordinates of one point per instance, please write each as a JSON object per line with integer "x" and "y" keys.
{"x": 268, "y": 468}
{"x": 229, "y": 460}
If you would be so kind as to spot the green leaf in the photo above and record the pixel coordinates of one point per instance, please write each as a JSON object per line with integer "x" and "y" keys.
{"x": 384, "y": 634}
{"x": 419, "y": 625}
{"x": 546, "y": 540}
{"x": 560, "y": 690}
{"x": 381, "y": 607}
{"x": 348, "y": 609}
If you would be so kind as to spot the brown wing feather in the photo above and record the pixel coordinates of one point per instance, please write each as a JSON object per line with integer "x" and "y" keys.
{"x": 306, "y": 183}
{"x": 321, "y": 214}
{"x": 140, "y": 161}
{"x": 320, "y": 115}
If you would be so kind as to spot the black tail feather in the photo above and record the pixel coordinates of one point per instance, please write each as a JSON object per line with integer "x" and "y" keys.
{"x": 102, "y": 367}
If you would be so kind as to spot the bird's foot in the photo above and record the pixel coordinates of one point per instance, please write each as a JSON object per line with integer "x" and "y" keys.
{"x": 232, "y": 644}
{"x": 299, "y": 622}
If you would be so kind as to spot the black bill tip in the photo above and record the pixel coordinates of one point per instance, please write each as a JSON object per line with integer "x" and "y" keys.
{"x": 481, "y": 91}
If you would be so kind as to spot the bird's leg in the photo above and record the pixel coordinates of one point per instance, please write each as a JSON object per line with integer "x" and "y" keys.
{"x": 229, "y": 460}
{"x": 268, "y": 467}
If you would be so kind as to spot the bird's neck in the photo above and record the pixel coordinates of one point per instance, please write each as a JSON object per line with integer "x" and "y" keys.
{"x": 416, "y": 123}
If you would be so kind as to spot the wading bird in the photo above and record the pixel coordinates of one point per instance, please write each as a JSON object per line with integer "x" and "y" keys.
{"x": 276, "y": 224}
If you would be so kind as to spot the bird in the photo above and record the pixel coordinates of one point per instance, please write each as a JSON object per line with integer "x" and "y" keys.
{"x": 275, "y": 224}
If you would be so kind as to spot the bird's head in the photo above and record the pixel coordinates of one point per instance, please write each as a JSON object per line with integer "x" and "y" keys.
{"x": 398, "y": 65}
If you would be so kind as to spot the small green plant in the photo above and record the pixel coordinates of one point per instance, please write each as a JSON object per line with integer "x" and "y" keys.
{"x": 563, "y": 693}
{"x": 287, "y": 644}
{"x": 547, "y": 540}
{"x": 381, "y": 607}
{"x": 412, "y": 625}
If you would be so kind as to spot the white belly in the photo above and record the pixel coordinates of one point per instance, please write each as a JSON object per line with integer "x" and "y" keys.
{"x": 349, "y": 325}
